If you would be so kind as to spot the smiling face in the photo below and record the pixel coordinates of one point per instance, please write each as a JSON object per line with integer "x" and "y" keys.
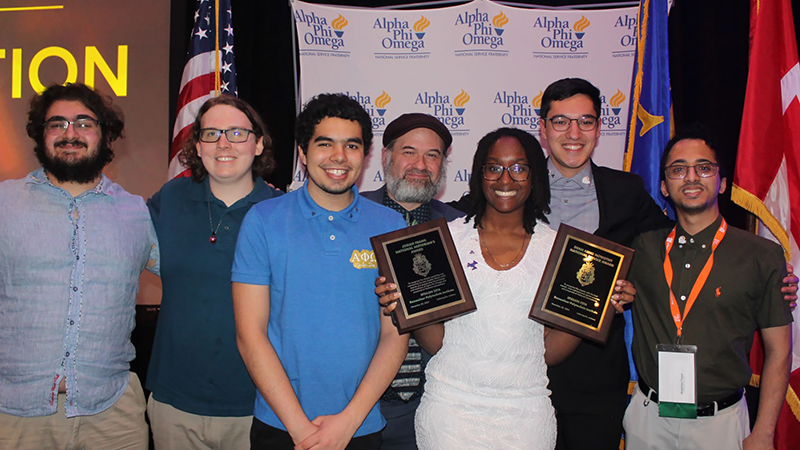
{"x": 71, "y": 155}
{"x": 333, "y": 162}
{"x": 413, "y": 166}
{"x": 505, "y": 195}
{"x": 226, "y": 162}
{"x": 693, "y": 195}
{"x": 571, "y": 150}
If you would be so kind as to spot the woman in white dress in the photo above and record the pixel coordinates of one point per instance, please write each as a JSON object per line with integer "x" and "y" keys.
{"x": 487, "y": 383}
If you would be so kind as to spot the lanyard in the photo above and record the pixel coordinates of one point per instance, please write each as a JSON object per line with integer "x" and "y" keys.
{"x": 698, "y": 284}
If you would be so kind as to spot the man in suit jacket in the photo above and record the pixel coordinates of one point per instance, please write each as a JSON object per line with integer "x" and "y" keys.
{"x": 414, "y": 148}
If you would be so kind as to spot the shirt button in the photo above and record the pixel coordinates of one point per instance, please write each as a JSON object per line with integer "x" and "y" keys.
{"x": 67, "y": 353}
{"x": 330, "y": 217}
{"x": 333, "y": 238}
{"x": 704, "y": 246}
{"x": 683, "y": 297}
{"x": 566, "y": 200}
{"x": 75, "y": 288}
{"x": 687, "y": 265}
{"x": 226, "y": 228}
{"x": 72, "y": 322}
{"x": 691, "y": 240}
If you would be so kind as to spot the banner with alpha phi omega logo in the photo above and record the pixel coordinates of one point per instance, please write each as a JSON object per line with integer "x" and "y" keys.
{"x": 476, "y": 67}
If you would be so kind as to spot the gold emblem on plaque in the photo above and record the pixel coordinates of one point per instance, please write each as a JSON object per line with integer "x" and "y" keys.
{"x": 586, "y": 274}
{"x": 421, "y": 265}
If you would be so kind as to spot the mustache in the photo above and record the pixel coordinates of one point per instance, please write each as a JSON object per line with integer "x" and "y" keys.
{"x": 73, "y": 142}
{"x": 427, "y": 173}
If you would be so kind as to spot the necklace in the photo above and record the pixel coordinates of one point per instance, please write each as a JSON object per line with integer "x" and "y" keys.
{"x": 213, "y": 238}
{"x": 513, "y": 261}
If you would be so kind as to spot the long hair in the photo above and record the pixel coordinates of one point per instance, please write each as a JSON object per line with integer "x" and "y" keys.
{"x": 263, "y": 164}
{"x": 537, "y": 206}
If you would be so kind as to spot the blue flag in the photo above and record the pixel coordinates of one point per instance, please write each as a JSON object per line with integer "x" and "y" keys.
{"x": 649, "y": 114}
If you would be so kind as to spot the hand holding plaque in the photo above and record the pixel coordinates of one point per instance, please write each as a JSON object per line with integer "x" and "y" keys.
{"x": 422, "y": 261}
{"x": 575, "y": 291}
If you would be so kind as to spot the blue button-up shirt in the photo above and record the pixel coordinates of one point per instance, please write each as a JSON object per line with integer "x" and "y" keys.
{"x": 69, "y": 273}
{"x": 573, "y": 201}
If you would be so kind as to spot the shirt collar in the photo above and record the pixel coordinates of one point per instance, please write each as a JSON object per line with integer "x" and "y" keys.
{"x": 311, "y": 209}
{"x": 201, "y": 191}
{"x": 703, "y": 238}
{"x": 104, "y": 187}
{"x": 584, "y": 178}
{"x": 420, "y": 214}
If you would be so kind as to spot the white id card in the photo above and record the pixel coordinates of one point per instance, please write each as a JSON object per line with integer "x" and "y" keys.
{"x": 677, "y": 380}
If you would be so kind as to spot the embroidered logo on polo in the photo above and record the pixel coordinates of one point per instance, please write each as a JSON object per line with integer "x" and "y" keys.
{"x": 364, "y": 259}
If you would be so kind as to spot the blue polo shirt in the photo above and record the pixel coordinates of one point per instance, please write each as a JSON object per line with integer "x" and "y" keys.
{"x": 195, "y": 365}
{"x": 324, "y": 317}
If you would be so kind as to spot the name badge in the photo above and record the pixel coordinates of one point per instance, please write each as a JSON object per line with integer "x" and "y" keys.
{"x": 677, "y": 381}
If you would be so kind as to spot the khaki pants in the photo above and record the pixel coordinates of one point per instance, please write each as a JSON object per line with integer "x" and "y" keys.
{"x": 645, "y": 430}
{"x": 121, "y": 426}
{"x": 175, "y": 429}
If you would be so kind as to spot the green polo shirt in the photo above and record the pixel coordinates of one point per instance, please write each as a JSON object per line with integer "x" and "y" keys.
{"x": 742, "y": 294}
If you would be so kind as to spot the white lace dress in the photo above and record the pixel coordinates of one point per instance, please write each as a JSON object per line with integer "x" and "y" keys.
{"x": 487, "y": 386}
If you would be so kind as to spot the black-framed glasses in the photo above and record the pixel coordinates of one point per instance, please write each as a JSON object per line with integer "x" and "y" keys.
{"x": 80, "y": 125}
{"x": 234, "y": 135}
{"x": 517, "y": 172}
{"x": 679, "y": 171}
{"x": 585, "y": 123}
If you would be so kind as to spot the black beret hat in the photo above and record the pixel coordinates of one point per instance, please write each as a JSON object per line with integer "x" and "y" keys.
{"x": 410, "y": 121}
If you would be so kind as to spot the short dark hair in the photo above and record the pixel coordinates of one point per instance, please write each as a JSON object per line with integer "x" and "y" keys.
{"x": 263, "y": 164}
{"x": 692, "y": 131}
{"x": 538, "y": 204}
{"x": 566, "y": 88}
{"x": 112, "y": 122}
{"x": 331, "y": 105}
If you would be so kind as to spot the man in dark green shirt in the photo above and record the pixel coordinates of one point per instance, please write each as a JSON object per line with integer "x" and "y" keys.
{"x": 703, "y": 289}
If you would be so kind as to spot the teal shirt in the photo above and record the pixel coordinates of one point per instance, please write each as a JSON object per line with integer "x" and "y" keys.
{"x": 195, "y": 365}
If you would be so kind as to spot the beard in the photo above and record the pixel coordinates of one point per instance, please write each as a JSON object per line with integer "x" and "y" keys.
{"x": 84, "y": 170}
{"x": 412, "y": 192}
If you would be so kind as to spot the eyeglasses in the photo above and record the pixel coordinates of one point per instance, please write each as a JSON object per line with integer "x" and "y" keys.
{"x": 562, "y": 123}
{"x": 82, "y": 125}
{"x": 234, "y": 135}
{"x": 517, "y": 172}
{"x": 679, "y": 171}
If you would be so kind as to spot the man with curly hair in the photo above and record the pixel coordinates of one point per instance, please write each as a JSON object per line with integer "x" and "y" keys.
{"x": 308, "y": 325}
{"x": 72, "y": 248}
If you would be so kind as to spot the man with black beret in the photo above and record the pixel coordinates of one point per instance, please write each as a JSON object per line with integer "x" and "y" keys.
{"x": 414, "y": 148}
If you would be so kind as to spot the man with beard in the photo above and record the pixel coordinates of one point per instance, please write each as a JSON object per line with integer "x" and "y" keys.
{"x": 414, "y": 148}
{"x": 72, "y": 248}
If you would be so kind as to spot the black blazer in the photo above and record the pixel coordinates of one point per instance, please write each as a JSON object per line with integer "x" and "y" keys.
{"x": 626, "y": 210}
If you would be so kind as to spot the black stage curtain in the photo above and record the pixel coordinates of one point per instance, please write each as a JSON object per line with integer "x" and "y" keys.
{"x": 708, "y": 65}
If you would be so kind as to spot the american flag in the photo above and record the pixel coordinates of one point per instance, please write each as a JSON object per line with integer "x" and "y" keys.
{"x": 210, "y": 71}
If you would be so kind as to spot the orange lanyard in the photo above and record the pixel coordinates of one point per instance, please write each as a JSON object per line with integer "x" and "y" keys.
{"x": 698, "y": 284}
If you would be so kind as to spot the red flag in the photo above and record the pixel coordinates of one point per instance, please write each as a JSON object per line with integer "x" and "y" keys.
{"x": 767, "y": 178}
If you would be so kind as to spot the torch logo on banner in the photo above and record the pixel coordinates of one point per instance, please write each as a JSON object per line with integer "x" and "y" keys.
{"x": 580, "y": 26}
{"x": 537, "y": 103}
{"x": 459, "y": 102}
{"x": 610, "y": 110}
{"x": 499, "y": 21}
{"x": 381, "y": 101}
{"x": 338, "y": 25}
{"x": 420, "y": 25}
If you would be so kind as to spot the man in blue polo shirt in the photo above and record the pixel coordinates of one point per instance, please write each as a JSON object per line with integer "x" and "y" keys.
{"x": 308, "y": 325}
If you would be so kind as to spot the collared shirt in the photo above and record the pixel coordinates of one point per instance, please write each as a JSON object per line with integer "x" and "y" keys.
{"x": 742, "y": 293}
{"x": 420, "y": 214}
{"x": 195, "y": 365}
{"x": 573, "y": 201}
{"x": 69, "y": 273}
{"x": 324, "y": 320}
